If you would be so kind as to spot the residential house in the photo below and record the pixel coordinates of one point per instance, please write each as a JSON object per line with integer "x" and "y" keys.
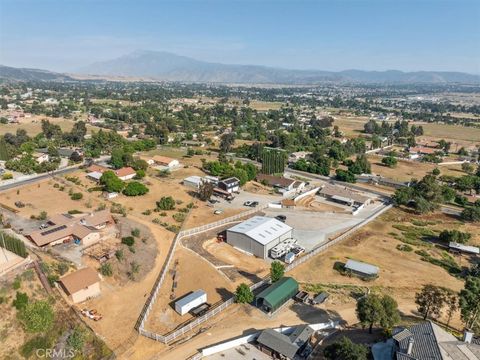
{"x": 81, "y": 285}
{"x": 65, "y": 228}
{"x": 428, "y": 341}
{"x": 281, "y": 183}
{"x": 230, "y": 185}
{"x": 125, "y": 173}
{"x": 40, "y": 157}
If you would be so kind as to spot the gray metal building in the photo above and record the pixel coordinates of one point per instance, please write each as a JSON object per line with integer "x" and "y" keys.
{"x": 258, "y": 235}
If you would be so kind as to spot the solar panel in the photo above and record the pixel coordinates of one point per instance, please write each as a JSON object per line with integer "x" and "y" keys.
{"x": 53, "y": 230}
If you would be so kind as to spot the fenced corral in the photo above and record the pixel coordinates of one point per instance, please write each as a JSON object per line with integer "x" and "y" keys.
{"x": 170, "y": 337}
{"x": 160, "y": 279}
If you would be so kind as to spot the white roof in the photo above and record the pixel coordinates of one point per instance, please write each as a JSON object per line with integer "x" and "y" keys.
{"x": 466, "y": 248}
{"x": 193, "y": 179}
{"x": 262, "y": 229}
{"x": 95, "y": 175}
{"x": 191, "y": 297}
{"x": 361, "y": 267}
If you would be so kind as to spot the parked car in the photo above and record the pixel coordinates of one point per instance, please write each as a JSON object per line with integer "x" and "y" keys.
{"x": 250, "y": 203}
{"x": 218, "y": 211}
{"x": 281, "y": 218}
{"x": 297, "y": 250}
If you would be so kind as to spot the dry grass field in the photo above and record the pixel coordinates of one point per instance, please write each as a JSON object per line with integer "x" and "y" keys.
{"x": 33, "y": 125}
{"x": 402, "y": 273}
{"x": 407, "y": 170}
{"x": 265, "y": 105}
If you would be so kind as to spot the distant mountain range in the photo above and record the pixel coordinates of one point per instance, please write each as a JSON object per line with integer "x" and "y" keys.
{"x": 160, "y": 65}
{"x": 21, "y": 74}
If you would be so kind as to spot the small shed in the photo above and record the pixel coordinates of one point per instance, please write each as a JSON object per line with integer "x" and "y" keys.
{"x": 190, "y": 301}
{"x": 361, "y": 268}
{"x": 320, "y": 298}
{"x": 277, "y": 294}
{"x": 464, "y": 248}
{"x": 193, "y": 181}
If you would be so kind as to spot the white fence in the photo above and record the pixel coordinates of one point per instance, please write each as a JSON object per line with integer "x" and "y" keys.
{"x": 188, "y": 327}
{"x": 158, "y": 283}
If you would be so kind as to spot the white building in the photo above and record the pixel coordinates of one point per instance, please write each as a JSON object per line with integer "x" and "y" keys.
{"x": 193, "y": 181}
{"x": 258, "y": 235}
{"x": 191, "y": 301}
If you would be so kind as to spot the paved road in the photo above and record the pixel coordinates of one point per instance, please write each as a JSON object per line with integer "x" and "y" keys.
{"x": 44, "y": 176}
{"x": 38, "y": 178}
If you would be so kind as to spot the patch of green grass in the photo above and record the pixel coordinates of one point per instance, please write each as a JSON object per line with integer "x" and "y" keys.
{"x": 447, "y": 262}
{"x": 404, "y": 247}
{"x": 414, "y": 235}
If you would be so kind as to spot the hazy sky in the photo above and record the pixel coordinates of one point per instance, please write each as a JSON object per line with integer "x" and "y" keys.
{"x": 407, "y": 35}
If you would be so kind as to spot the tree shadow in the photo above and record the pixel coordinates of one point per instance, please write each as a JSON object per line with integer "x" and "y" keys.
{"x": 224, "y": 293}
{"x": 254, "y": 278}
{"x": 311, "y": 314}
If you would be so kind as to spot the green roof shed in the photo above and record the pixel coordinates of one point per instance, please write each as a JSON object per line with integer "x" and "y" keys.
{"x": 277, "y": 294}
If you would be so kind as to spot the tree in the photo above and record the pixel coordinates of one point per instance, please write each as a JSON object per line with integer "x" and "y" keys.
{"x": 436, "y": 171}
{"x": 346, "y": 176}
{"x": 135, "y": 188}
{"x": 370, "y": 311}
{"x": 205, "y": 190}
{"x": 111, "y": 182}
{"x": 468, "y": 168}
{"x": 277, "y": 270}
{"x": 37, "y": 316}
{"x": 460, "y": 237}
{"x": 389, "y": 161}
{"x": 391, "y": 316}
{"x": 140, "y": 174}
{"x": 226, "y": 142}
{"x": 470, "y": 303}
{"x": 430, "y": 300}
{"x": 471, "y": 214}
{"x": 345, "y": 349}
{"x": 166, "y": 203}
{"x": 243, "y": 294}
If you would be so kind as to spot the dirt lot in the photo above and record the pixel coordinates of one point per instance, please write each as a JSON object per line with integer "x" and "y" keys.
{"x": 121, "y": 305}
{"x": 43, "y": 196}
{"x": 311, "y": 203}
{"x": 191, "y": 273}
{"x": 406, "y": 170}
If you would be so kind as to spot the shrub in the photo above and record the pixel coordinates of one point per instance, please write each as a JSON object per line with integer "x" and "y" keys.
{"x": 136, "y": 232}
{"x": 74, "y": 211}
{"x": 140, "y": 174}
{"x": 7, "y": 176}
{"x": 277, "y": 270}
{"x": 166, "y": 203}
{"x": 404, "y": 247}
{"x": 128, "y": 240}
{"x": 42, "y": 216}
{"x": 147, "y": 212}
{"x": 179, "y": 217}
{"x": 38, "y": 342}
{"x": 76, "y": 339}
{"x": 37, "y": 316}
{"x": 76, "y": 196}
{"x": 21, "y": 300}
{"x": 119, "y": 254}
{"x": 17, "y": 283}
{"x": 13, "y": 244}
{"x": 106, "y": 269}
{"x": 135, "y": 188}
